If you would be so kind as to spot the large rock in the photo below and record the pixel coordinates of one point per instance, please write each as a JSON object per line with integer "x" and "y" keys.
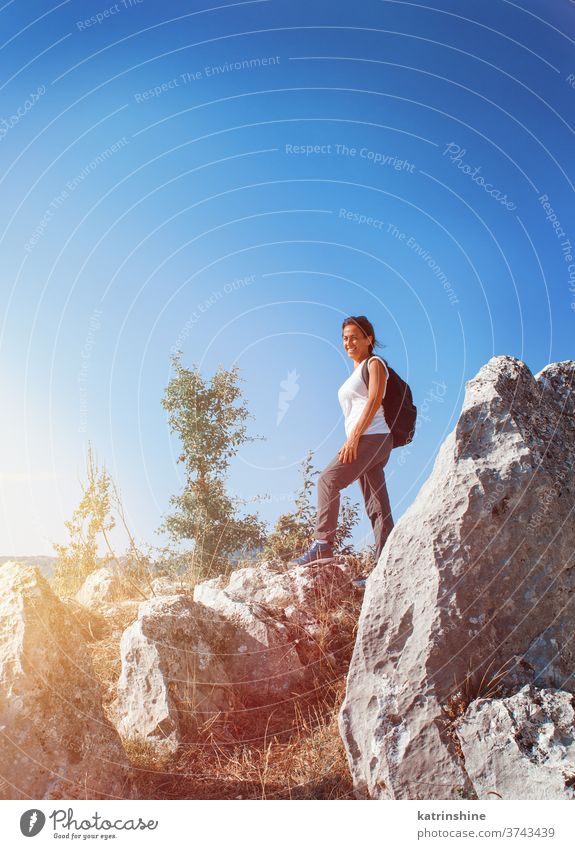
{"x": 172, "y": 680}
{"x": 278, "y": 620}
{"x": 476, "y": 584}
{"x": 521, "y": 747}
{"x": 55, "y": 742}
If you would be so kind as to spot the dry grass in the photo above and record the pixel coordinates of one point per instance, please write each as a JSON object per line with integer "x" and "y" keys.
{"x": 296, "y": 753}
{"x": 143, "y": 756}
{"x": 476, "y": 685}
{"x": 106, "y": 659}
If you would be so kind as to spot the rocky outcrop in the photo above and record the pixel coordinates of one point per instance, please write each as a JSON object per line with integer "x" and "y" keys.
{"x": 248, "y": 640}
{"x": 474, "y": 589}
{"x": 521, "y": 747}
{"x": 55, "y": 742}
{"x": 278, "y": 618}
{"x": 259, "y": 636}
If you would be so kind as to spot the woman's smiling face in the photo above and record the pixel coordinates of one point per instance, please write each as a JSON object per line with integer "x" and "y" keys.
{"x": 355, "y": 342}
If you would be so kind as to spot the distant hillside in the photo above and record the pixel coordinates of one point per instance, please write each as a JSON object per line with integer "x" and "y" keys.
{"x": 44, "y": 562}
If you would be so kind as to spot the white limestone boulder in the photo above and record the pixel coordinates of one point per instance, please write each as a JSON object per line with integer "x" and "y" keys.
{"x": 261, "y": 658}
{"x": 55, "y": 741}
{"x": 521, "y": 747}
{"x": 278, "y": 619}
{"x": 172, "y": 680}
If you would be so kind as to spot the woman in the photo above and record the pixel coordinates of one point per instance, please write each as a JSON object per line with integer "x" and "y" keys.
{"x": 365, "y": 451}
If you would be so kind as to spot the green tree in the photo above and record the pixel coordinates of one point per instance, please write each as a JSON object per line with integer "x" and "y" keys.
{"x": 209, "y": 420}
{"x": 294, "y": 532}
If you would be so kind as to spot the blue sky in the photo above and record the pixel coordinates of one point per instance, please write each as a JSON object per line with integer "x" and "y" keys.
{"x": 233, "y": 181}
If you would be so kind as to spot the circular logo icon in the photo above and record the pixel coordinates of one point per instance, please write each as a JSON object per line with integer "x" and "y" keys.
{"x": 32, "y": 822}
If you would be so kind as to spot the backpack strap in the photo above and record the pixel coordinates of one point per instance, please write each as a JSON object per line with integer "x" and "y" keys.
{"x": 365, "y": 371}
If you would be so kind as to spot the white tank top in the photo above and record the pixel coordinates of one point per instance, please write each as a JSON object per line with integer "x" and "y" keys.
{"x": 353, "y": 395}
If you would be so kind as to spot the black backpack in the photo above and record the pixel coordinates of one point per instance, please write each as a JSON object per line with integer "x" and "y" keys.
{"x": 398, "y": 407}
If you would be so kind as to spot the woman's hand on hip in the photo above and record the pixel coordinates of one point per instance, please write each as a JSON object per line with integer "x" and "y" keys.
{"x": 348, "y": 451}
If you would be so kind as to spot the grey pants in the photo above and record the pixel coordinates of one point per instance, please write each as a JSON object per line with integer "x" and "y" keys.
{"x": 373, "y": 452}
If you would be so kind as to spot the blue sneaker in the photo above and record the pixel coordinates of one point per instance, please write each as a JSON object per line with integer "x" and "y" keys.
{"x": 318, "y": 552}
